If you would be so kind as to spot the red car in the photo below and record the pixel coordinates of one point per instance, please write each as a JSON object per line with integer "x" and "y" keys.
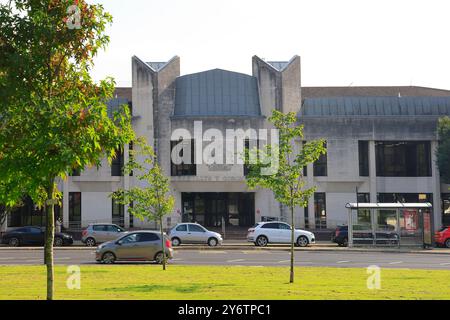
{"x": 442, "y": 237}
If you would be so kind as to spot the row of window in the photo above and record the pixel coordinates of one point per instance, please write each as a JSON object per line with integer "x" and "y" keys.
{"x": 393, "y": 159}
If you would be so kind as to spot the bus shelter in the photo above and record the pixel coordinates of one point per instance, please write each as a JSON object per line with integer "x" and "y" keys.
{"x": 390, "y": 224}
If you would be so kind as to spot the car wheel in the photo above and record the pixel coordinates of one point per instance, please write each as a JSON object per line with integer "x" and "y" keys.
{"x": 212, "y": 242}
{"x": 345, "y": 242}
{"x": 58, "y": 242}
{"x": 176, "y": 242}
{"x": 90, "y": 242}
{"x": 159, "y": 257}
{"x": 108, "y": 258}
{"x": 14, "y": 242}
{"x": 447, "y": 243}
{"x": 262, "y": 241}
{"x": 302, "y": 241}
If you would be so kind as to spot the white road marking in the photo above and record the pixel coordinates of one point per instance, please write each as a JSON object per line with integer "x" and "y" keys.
{"x": 396, "y": 262}
{"x": 211, "y": 251}
{"x": 63, "y": 258}
{"x": 283, "y": 261}
{"x": 35, "y": 260}
{"x": 6, "y": 258}
{"x": 177, "y": 259}
{"x": 236, "y": 260}
{"x": 445, "y": 264}
{"x": 343, "y": 261}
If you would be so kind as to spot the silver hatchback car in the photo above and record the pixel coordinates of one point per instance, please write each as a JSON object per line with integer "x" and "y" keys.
{"x": 194, "y": 233}
{"x": 100, "y": 232}
{"x": 135, "y": 246}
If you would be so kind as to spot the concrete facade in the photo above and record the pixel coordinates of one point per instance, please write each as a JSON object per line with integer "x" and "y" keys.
{"x": 153, "y": 96}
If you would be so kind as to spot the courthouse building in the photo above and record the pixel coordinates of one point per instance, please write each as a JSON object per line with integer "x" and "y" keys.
{"x": 380, "y": 141}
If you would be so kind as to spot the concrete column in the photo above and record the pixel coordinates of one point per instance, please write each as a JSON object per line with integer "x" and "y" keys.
{"x": 437, "y": 208}
{"x": 372, "y": 172}
{"x": 311, "y": 213}
{"x": 126, "y": 185}
{"x": 65, "y": 202}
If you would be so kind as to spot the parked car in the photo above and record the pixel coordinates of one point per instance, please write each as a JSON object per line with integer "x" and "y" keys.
{"x": 100, "y": 232}
{"x": 388, "y": 237}
{"x": 442, "y": 237}
{"x": 34, "y": 236}
{"x": 194, "y": 233}
{"x": 264, "y": 233}
{"x": 340, "y": 236}
{"x": 135, "y": 246}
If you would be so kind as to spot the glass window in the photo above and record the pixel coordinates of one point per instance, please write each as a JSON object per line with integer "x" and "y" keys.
{"x": 284, "y": 226}
{"x": 118, "y": 213}
{"x": 270, "y": 226}
{"x": 320, "y": 166}
{"x": 117, "y": 164}
{"x": 364, "y": 197}
{"x": 182, "y": 228}
{"x": 99, "y": 228}
{"x": 130, "y": 239}
{"x": 445, "y": 209}
{"x": 178, "y": 166}
{"x": 403, "y": 159}
{"x": 195, "y": 228}
{"x": 75, "y": 209}
{"x": 320, "y": 210}
{"x": 145, "y": 237}
{"x": 255, "y": 144}
{"x": 363, "y": 157}
{"x": 405, "y": 197}
{"x": 111, "y": 228}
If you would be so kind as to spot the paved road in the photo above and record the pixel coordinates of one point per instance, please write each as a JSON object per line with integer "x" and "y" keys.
{"x": 250, "y": 258}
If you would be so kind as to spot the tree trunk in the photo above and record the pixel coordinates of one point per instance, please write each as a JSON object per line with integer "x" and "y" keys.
{"x": 49, "y": 237}
{"x": 291, "y": 280}
{"x": 162, "y": 242}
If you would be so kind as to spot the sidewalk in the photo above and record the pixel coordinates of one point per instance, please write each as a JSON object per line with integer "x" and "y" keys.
{"x": 321, "y": 246}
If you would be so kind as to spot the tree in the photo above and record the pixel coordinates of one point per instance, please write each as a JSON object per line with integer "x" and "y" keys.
{"x": 443, "y": 150}
{"x": 53, "y": 116}
{"x": 153, "y": 200}
{"x": 286, "y": 181}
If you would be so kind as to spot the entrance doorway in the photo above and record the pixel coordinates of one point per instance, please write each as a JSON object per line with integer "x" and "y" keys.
{"x": 209, "y": 208}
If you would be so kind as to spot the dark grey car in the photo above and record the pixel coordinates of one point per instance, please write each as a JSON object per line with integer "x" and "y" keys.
{"x": 135, "y": 246}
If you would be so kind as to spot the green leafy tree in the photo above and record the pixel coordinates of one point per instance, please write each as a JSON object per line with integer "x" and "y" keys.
{"x": 53, "y": 115}
{"x": 153, "y": 200}
{"x": 443, "y": 150}
{"x": 286, "y": 180}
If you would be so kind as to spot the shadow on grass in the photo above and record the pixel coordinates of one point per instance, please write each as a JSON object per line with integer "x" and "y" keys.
{"x": 192, "y": 288}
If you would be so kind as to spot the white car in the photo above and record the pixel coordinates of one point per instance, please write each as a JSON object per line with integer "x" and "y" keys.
{"x": 264, "y": 233}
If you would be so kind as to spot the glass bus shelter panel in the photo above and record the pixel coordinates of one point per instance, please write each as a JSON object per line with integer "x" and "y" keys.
{"x": 362, "y": 227}
{"x": 386, "y": 227}
{"x": 411, "y": 227}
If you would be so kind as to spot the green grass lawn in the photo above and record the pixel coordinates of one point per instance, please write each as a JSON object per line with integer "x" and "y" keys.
{"x": 213, "y": 282}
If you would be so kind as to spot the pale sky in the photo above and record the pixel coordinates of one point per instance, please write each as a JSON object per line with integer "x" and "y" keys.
{"x": 341, "y": 43}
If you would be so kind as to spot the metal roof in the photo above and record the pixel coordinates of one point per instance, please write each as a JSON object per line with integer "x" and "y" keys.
{"x": 217, "y": 93}
{"x": 376, "y": 106}
{"x": 387, "y": 205}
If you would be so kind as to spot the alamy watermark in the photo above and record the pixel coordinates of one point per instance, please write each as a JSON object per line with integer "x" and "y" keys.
{"x": 73, "y": 281}
{"x": 213, "y": 147}
{"x": 374, "y": 280}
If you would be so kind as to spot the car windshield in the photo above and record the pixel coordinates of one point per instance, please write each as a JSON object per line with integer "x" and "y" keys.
{"x": 443, "y": 229}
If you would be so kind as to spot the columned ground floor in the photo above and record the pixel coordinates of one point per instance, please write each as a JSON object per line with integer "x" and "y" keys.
{"x": 212, "y": 205}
